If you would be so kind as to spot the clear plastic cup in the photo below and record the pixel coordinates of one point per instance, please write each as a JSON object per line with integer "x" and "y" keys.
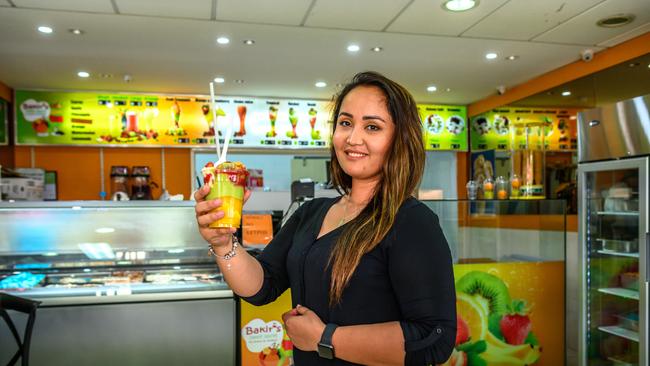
{"x": 227, "y": 182}
{"x": 472, "y": 189}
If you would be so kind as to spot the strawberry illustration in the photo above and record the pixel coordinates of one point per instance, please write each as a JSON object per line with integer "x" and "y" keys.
{"x": 209, "y": 164}
{"x": 462, "y": 331}
{"x": 516, "y": 325}
{"x": 206, "y": 178}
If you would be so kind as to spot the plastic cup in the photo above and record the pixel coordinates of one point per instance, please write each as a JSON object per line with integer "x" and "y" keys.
{"x": 227, "y": 182}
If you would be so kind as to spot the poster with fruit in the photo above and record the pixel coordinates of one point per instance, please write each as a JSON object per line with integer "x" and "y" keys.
{"x": 493, "y": 129}
{"x": 4, "y": 139}
{"x": 509, "y": 314}
{"x": 444, "y": 127}
{"x": 263, "y": 339}
{"x": 94, "y": 119}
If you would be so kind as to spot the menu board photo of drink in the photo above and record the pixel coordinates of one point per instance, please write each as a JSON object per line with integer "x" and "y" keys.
{"x": 4, "y": 138}
{"x": 444, "y": 127}
{"x": 83, "y": 118}
{"x": 492, "y": 130}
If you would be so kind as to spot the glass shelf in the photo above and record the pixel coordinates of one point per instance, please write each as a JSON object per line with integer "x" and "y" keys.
{"x": 619, "y": 254}
{"x": 617, "y": 213}
{"x": 621, "y": 292}
{"x": 620, "y": 332}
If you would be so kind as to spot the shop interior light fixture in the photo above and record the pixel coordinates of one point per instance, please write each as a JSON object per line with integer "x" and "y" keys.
{"x": 354, "y": 48}
{"x": 105, "y": 230}
{"x": 320, "y": 84}
{"x": 448, "y": 90}
{"x": 249, "y": 42}
{"x": 512, "y": 57}
{"x": 239, "y": 81}
{"x": 76, "y": 31}
{"x": 615, "y": 21}
{"x": 223, "y": 40}
{"x": 376, "y": 49}
{"x": 83, "y": 74}
{"x": 566, "y": 93}
{"x": 219, "y": 80}
{"x": 45, "y": 29}
{"x": 176, "y": 251}
{"x": 491, "y": 55}
{"x": 459, "y": 5}
{"x": 431, "y": 88}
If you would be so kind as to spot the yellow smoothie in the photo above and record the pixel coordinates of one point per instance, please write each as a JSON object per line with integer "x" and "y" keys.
{"x": 227, "y": 182}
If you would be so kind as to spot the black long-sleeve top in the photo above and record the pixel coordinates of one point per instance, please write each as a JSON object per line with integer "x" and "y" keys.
{"x": 407, "y": 278}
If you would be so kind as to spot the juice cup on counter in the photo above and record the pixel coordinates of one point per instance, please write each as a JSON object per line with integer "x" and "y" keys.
{"x": 488, "y": 189}
{"x": 515, "y": 184}
{"x": 227, "y": 182}
{"x": 502, "y": 188}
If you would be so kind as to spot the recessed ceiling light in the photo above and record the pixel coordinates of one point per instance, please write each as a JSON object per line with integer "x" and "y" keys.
{"x": 566, "y": 93}
{"x": 239, "y": 81}
{"x": 491, "y": 55}
{"x": 512, "y": 57}
{"x": 649, "y": 66}
{"x": 634, "y": 64}
{"x": 105, "y": 230}
{"x": 83, "y": 74}
{"x": 76, "y": 31}
{"x": 106, "y": 76}
{"x": 431, "y": 88}
{"x": 45, "y": 29}
{"x": 321, "y": 84}
{"x": 353, "y": 48}
{"x": 339, "y": 85}
{"x": 223, "y": 40}
{"x": 448, "y": 90}
{"x": 249, "y": 42}
{"x": 459, "y": 5}
{"x": 376, "y": 49}
{"x": 219, "y": 80}
{"x": 617, "y": 20}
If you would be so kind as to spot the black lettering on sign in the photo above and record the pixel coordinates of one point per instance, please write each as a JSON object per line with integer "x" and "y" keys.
{"x": 502, "y": 146}
{"x": 311, "y": 104}
{"x": 285, "y": 142}
{"x": 103, "y": 102}
{"x": 268, "y": 142}
{"x": 81, "y": 139}
{"x": 151, "y": 104}
{"x": 320, "y": 143}
{"x": 83, "y": 132}
{"x": 293, "y": 103}
{"x": 119, "y": 102}
{"x": 453, "y": 109}
{"x": 237, "y": 142}
{"x": 303, "y": 143}
{"x": 238, "y": 101}
{"x": 455, "y": 146}
{"x": 79, "y": 126}
{"x": 201, "y": 140}
{"x": 183, "y": 140}
{"x": 563, "y": 147}
{"x": 169, "y": 99}
{"x": 76, "y": 102}
{"x": 200, "y": 100}
{"x": 223, "y": 101}
{"x": 249, "y": 102}
{"x": 183, "y": 100}
{"x": 272, "y": 103}
{"x": 482, "y": 146}
{"x": 76, "y": 108}
{"x": 136, "y": 103}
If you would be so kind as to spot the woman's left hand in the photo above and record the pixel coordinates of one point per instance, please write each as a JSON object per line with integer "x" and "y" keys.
{"x": 304, "y": 328}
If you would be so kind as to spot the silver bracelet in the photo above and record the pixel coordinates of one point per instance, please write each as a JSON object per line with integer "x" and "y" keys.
{"x": 230, "y": 254}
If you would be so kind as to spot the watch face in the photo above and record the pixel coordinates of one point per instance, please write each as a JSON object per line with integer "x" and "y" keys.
{"x": 326, "y": 351}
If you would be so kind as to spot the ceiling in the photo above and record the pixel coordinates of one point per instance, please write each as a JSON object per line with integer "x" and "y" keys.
{"x": 170, "y": 46}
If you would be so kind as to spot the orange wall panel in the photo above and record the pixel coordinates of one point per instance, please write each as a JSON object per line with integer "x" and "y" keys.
{"x": 22, "y": 157}
{"x": 134, "y": 157}
{"x": 177, "y": 171}
{"x": 77, "y": 170}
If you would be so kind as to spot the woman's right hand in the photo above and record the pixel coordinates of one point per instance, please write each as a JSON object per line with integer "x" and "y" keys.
{"x": 217, "y": 237}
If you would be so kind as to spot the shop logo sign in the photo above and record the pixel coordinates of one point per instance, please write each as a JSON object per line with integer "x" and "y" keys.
{"x": 259, "y": 334}
{"x": 34, "y": 110}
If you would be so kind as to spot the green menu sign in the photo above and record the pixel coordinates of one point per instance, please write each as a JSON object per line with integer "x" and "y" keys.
{"x": 444, "y": 127}
{"x": 3, "y": 122}
{"x": 65, "y": 118}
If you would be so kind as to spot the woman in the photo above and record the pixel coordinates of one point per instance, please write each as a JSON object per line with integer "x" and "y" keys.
{"x": 370, "y": 272}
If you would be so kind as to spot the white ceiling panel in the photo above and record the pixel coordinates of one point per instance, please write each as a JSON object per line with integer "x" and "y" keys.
{"x": 369, "y": 15}
{"x": 4, "y": 3}
{"x": 287, "y": 12}
{"x": 583, "y": 29}
{"x": 195, "y": 9}
{"x": 626, "y": 36}
{"x": 95, "y": 6}
{"x": 525, "y": 19}
{"x": 428, "y": 17}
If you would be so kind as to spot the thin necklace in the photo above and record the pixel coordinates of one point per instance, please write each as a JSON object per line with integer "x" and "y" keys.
{"x": 345, "y": 213}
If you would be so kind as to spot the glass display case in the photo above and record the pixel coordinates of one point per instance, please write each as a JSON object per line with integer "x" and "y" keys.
{"x": 614, "y": 228}
{"x": 89, "y": 251}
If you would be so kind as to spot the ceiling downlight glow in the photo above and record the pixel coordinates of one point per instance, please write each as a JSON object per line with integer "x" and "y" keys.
{"x": 431, "y": 88}
{"x": 354, "y": 48}
{"x": 45, "y": 29}
{"x": 320, "y": 84}
{"x": 83, "y": 74}
{"x": 223, "y": 40}
{"x": 491, "y": 55}
{"x": 459, "y": 5}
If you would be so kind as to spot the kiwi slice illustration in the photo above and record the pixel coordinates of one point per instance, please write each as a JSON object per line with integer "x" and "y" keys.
{"x": 489, "y": 286}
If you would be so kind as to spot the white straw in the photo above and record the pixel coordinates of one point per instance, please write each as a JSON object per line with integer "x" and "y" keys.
{"x": 226, "y": 142}
{"x": 214, "y": 120}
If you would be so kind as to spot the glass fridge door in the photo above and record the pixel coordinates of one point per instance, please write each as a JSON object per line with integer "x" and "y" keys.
{"x": 613, "y": 237}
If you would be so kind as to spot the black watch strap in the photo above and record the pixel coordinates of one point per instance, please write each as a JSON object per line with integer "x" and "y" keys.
{"x": 325, "y": 347}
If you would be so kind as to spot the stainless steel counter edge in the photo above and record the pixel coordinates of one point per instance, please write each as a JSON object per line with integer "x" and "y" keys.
{"x": 117, "y": 299}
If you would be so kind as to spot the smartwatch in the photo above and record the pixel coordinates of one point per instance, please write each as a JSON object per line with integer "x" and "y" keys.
{"x": 325, "y": 347}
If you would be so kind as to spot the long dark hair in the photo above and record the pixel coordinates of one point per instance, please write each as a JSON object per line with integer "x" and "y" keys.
{"x": 399, "y": 178}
